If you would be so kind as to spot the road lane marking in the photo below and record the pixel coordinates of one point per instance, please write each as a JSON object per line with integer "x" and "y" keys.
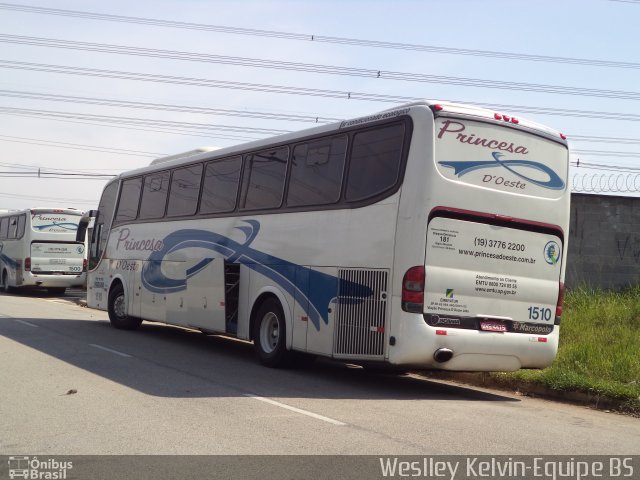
{"x": 110, "y": 350}
{"x": 294, "y": 409}
{"x": 26, "y": 323}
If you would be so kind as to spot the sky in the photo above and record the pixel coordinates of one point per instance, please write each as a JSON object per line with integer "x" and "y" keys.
{"x": 572, "y": 65}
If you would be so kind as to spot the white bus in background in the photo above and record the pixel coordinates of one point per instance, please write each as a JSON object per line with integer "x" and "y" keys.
{"x": 430, "y": 235}
{"x": 38, "y": 248}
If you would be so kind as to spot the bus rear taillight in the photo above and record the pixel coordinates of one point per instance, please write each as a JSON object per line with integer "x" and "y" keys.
{"x": 560, "y": 302}
{"x": 413, "y": 290}
{"x": 27, "y": 264}
{"x": 84, "y": 265}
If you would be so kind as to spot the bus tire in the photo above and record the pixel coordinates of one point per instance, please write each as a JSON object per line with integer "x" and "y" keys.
{"x": 56, "y": 290}
{"x": 117, "y": 310}
{"x": 270, "y": 334}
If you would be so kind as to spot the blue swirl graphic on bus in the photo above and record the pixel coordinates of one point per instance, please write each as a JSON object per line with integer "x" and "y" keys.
{"x": 8, "y": 261}
{"x": 311, "y": 289}
{"x": 64, "y": 225}
{"x": 461, "y": 168}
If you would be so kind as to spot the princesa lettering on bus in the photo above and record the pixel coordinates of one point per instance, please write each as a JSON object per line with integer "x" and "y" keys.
{"x": 449, "y": 126}
{"x": 129, "y": 244}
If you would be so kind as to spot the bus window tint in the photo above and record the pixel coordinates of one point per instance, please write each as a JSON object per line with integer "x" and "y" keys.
{"x": 154, "y": 195}
{"x": 375, "y": 162}
{"x": 220, "y": 188}
{"x": 129, "y": 200}
{"x": 316, "y": 172}
{"x": 264, "y": 179}
{"x": 13, "y": 227}
{"x": 185, "y": 188}
{"x": 21, "y": 223}
{"x": 4, "y": 227}
{"x": 103, "y": 222}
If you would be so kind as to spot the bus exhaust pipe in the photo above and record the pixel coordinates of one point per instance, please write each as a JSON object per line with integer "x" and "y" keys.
{"x": 443, "y": 355}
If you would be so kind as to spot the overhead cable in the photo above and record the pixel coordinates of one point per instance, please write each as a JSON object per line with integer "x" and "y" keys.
{"x": 318, "y": 68}
{"x": 322, "y": 38}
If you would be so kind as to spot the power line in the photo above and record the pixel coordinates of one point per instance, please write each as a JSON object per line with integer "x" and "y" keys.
{"x": 288, "y": 90}
{"x": 76, "y": 146}
{"x": 302, "y": 118}
{"x": 607, "y": 153}
{"x": 109, "y": 119}
{"x": 39, "y": 198}
{"x": 318, "y": 68}
{"x": 321, "y": 38}
{"x": 140, "y": 121}
{"x": 618, "y": 140}
{"x": 208, "y": 135}
{"x": 168, "y": 107}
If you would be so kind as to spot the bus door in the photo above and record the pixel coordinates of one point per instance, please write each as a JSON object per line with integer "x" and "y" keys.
{"x": 205, "y": 293}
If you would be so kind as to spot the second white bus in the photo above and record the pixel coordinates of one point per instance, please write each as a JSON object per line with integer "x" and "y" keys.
{"x": 431, "y": 235}
{"x": 38, "y": 248}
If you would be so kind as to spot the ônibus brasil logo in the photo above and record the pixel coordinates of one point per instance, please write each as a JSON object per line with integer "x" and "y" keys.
{"x": 554, "y": 182}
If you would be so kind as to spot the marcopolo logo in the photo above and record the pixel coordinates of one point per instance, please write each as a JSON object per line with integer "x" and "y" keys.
{"x": 553, "y": 182}
{"x": 552, "y": 252}
{"x": 35, "y": 469}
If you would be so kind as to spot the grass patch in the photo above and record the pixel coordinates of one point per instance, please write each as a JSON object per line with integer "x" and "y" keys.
{"x": 599, "y": 351}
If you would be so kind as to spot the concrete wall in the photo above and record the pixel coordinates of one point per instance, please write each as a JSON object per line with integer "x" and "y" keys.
{"x": 604, "y": 241}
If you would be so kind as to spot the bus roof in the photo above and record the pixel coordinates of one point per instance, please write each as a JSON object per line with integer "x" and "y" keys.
{"x": 494, "y": 116}
{"x": 457, "y": 109}
{"x": 41, "y": 210}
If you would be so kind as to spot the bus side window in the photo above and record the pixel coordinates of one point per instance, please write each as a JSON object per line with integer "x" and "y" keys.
{"x": 21, "y": 223}
{"x": 375, "y": 162}
{"x": 316, "y": 172}
{"x": 220, "y": 185}
{"x": 13, "y": 227}
{"x": 154, "y": 195}
{"x": 185, "y": 188}
{"x": 129, "y": 200}
{"x": 263, "y": 179}
{"x": 96, "y": 251}
{"x": 4, "y": 228}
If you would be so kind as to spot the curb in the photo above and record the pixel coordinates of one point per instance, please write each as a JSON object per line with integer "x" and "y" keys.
{"x": 484, "y": 379}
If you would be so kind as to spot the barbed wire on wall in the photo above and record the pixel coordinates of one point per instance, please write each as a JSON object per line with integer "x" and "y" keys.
{"x": 606, "y": 183}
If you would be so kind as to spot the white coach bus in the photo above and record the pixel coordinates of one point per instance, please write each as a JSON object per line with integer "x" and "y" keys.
{"x": 38, "y": 248}
{"x": 431, "y": 235}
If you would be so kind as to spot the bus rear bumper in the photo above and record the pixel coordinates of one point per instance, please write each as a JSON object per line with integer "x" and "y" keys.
{"x": 30, "y": 279}
{"x": 473, "y": 350}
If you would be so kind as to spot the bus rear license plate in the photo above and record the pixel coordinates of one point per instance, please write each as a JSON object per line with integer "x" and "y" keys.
{"x": 493, "y": 326}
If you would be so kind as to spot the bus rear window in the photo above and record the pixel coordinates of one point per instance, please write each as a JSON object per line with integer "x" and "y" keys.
{"x": 54, "y": 222}
{"x": 500, "y": 158}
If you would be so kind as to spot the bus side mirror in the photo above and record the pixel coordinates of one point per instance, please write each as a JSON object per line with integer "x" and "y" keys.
{"x": 84, "y": 224}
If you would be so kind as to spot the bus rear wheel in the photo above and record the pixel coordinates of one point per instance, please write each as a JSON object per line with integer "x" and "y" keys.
{"x": 118, "y": 310}
{"x": 269, "y": 334}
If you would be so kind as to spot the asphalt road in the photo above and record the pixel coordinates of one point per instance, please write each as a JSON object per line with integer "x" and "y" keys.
{"x": 71, "y": 384}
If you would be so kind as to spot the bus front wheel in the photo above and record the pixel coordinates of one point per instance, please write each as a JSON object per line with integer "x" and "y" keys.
{"x": 269, "y": 334}
{"x": 118, "y": 310}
